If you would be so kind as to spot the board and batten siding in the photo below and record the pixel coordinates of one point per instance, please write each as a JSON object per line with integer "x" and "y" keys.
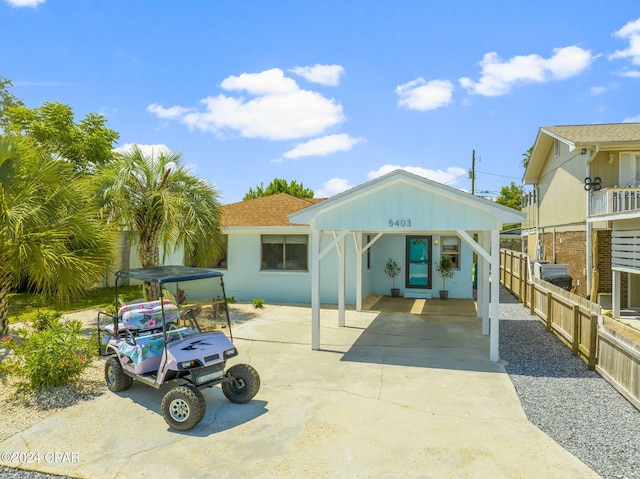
{"x": 404, "y": 207}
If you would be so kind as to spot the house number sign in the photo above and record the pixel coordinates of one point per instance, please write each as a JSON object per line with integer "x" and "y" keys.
{"x": 402, "y": 223}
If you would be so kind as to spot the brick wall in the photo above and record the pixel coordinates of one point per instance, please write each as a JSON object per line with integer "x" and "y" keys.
{"x": 570, "y": 249}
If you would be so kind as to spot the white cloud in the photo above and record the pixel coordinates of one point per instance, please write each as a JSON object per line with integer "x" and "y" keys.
{"x": 332, "y": 187}
{"x": 279, "y": 110}
{"x": 149, "y": 151}
{"x": 24, "y": 3}
{"x": 447, "y": 176}
{"x": 632, "y": 119}
{"x": 598, "y": 90}
{"x": 422, "y": 95}
{"x": 172, "y": 112}
{"x": 268, "y": 82}
{"x": 631, "y": 32}
{"x": 323, "y": 74}
{"x": 499, "y": 76}
{"x": 630, "y": 73}
{"x": 322, "y": 146}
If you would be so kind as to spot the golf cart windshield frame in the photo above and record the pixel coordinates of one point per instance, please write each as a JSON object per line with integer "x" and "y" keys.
{"x": 169, "y": 274}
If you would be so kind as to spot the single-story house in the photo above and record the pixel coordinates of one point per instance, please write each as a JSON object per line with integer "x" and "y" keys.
{"x": 286, "y": 249}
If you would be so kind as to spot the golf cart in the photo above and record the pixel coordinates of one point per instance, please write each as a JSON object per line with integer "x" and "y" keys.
{"x": 155, "y": 343}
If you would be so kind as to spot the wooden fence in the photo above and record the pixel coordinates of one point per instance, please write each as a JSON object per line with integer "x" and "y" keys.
{"x": 607, "y": 347}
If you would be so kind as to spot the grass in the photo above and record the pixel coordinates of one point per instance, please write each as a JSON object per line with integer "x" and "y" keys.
{"x": 25, "y": 306}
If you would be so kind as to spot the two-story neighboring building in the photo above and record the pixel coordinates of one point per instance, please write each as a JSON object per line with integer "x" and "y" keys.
{"x": 584, "y": 208}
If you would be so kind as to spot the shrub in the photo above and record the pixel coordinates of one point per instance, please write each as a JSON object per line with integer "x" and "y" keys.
{"x": 258, "y": 303}
{"x": 231, "y": 300}
{"x": 54, "y": 356}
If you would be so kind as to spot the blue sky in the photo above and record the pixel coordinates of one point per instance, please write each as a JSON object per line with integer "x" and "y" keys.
{"x": 330, "y": 93}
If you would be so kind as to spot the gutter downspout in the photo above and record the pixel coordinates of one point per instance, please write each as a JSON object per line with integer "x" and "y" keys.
{"x": 588, "y": 224}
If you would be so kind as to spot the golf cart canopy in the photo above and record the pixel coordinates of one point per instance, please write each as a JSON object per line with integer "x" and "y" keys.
{"x": 168, "y": 274}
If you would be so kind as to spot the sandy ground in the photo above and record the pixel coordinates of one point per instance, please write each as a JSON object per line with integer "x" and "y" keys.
{"x": 22, "y": 409}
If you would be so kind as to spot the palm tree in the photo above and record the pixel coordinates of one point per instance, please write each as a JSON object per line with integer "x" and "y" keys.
{"x": 526, "y": 157}
{"x": 50, "y": 233}
{"x": 160, "y": 203}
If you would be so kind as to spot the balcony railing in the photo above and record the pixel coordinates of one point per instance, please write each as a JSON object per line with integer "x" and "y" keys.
{"x": 615, "y": 200}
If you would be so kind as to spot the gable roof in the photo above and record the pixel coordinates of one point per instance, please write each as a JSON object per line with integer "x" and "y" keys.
{"x": 589, "y": 135}
{"x": 611, "y": 136}
{"x": 412, "y": 192}
{"x": 272, "y": 210}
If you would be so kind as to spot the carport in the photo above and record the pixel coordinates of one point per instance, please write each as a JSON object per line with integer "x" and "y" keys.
{"x": 406, "y": 204}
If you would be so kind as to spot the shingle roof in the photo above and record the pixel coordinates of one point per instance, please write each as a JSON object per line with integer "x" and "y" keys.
{"x": 597, "y": 134}
{"x": 270, "y": 210}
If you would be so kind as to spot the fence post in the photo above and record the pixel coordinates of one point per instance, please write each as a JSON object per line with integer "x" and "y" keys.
{"x": 549, "y": 303}
{"x": 593, "y": 342}
{"x": 532, "y": 298}
{"x": 523, "y": 280}
{"x": 575, "y": 340}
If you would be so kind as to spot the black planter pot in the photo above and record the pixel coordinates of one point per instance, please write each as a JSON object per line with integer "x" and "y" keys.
{"x": 395, "y": 292}
{"x": 444, "y": 294}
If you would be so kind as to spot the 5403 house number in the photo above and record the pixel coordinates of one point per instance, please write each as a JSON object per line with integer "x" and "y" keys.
{"x": 403, "y": 223}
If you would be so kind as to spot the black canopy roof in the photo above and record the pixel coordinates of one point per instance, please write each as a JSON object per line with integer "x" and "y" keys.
{"x": 168, "y": 274}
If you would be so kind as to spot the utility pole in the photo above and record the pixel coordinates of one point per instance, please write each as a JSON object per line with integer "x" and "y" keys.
{"x": 472, "y": 173}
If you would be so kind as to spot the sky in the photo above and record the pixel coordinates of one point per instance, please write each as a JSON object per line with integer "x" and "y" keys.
{"x": 330, "y": 93}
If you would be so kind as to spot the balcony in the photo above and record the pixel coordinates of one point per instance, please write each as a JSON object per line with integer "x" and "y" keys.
{"x": 614, "y": 201}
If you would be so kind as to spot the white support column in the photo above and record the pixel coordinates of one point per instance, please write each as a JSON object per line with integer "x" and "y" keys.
{"x": 315, "y": 289}
{"x": 342, "y": 253}
{"x": 615, "y": 294}
{"x": 357, "y": 237}
{"x": 479, "y": 281}
{"x": 486, "y": 271}
{"x": 494, "y": 338}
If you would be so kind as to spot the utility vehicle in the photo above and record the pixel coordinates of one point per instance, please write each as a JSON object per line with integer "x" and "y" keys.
{"x": 155, "y": 342}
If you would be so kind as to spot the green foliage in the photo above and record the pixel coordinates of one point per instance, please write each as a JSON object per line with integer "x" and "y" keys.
{"x": 511, "y": 196}
{"x": 526, "y": 157}
{"x": 392, "y": 270}
{"x": 258, "y": 303}
{"x": 27, "y": 306}
{"x": 279, "y": 185}
{"x": 53, "y": 356}
{"x": 445, "y": 268}
{"x": 7, "y": 100}
{"x": 87, "y": 144}
{"x": 231, "y": 300}
{"x": 160, "y": 202}
{"x": 50, "y": 234}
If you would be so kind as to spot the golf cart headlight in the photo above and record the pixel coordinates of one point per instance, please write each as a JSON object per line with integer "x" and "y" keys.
{"x": 189, "y": 364}
{"x": 229, "y": 353}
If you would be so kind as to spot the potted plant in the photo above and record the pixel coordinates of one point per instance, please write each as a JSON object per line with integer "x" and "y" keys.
{"x": 445, "y": 268}
{"x": 392, "y": 270}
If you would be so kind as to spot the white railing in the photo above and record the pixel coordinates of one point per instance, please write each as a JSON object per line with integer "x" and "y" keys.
{"x": 615, "y": 200}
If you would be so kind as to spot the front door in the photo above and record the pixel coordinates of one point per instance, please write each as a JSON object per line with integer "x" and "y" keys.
{"x": 418, "y": 262}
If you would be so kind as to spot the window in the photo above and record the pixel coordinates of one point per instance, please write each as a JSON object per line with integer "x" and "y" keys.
{"x": 285, "y": 252}
{"x": 451, "y": 249}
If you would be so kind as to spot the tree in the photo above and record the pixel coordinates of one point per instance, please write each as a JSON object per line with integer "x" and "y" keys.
{"x": 50, "y": 232}
{"x": 526, "y": 157}
{"x": 87, "y": 144}
{"x": 7, "y": 100}
{"x": 511, "y": 196}
{"x": 279, "y": 186}
{"x": 160, "y": 203}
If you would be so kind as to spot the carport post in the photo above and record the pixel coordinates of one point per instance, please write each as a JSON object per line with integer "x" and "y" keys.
{"x": 315, "y": 289}
{"x": 485, "y": 243}
{"x": 341, "y": 280}
{"x": 494, "y": 341}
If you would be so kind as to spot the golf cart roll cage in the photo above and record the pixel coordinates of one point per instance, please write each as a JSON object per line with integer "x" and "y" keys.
{"x": 169, "y": 274}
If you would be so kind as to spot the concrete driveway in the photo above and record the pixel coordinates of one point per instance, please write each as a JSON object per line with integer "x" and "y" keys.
{"x": 391, "y": 395}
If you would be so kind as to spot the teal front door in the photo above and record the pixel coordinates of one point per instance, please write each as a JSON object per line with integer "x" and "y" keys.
{"x": 418, "y": 262}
